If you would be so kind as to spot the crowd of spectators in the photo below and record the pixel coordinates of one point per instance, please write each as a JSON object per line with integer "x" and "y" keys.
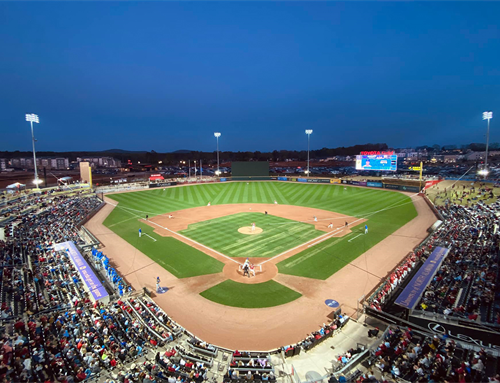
{"x": 466, "y": 283}
{"x": 404, "y": 354}
{"x": 317, "y": 337}
{"x": 51, "y": 330}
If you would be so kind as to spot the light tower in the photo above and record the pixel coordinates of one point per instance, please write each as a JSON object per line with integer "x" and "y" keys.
{"x": 31, "y": 118}
{"x": 487, "y": 116}
{"x": 217, "y": 135}
{"x": 308, "y": 132}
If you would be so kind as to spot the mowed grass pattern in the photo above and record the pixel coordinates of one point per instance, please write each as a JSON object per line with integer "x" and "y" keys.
{"x": 178, "y": 258}
{"x": 385, "y": 211}
{"x": 279, "y": 234}
{"x": 259, "y": 295}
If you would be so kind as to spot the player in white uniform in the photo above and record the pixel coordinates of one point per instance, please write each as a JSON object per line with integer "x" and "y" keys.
{"x": 315, "y": 219}
{"x": 208, "y": 204}
{"x": 330, "y": 226}
{"x": 253, "y": 226}
{"x": 252, "y": 269}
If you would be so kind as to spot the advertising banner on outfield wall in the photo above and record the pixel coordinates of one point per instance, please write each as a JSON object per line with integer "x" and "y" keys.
{"x": 391, "y": 186}
{"x": 162, "y": 184}
{"x": 282, "y": 179}
{"x": 409, "y": 188}
{"x": 358, "y": 183}
{"x": 318, "y": 180}
{"x": 334, "y": 181}
{"x": 223, "y": 179}
{"x": 375, "y": 184}
{"x": 301, "y": 179}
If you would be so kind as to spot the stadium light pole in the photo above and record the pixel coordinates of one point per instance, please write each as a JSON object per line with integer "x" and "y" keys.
{"x": 31, "y": 118}
{"x": 217, "y": 135}
{"x": 308, "y": 132}
{"x": 487, "y": 116}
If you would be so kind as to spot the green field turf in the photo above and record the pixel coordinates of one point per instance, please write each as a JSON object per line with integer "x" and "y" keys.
{"x": 178, "y": 258}
{"x": 279, "y": 234}
{"x": 319, "y": 262}
{"x": 259, "y": 295}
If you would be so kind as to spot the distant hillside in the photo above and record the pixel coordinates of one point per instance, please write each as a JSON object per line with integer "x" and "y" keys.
{"x": 121, "y": 151}
{"x": 183, "y": 151}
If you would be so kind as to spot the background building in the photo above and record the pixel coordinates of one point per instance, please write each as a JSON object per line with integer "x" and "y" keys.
{"x": 100, "y": 162}
{"x": 58, "y": 163}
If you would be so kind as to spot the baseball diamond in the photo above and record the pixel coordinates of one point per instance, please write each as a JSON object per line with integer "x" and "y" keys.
{"x": 199, "y": 251}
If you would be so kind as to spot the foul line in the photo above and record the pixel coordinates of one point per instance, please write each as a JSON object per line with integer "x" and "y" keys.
{"x": 354, "y": 237}
{"x": 150, "y": 237}
{"x": 180, "y": 235}
{"x": 326, "y": 236}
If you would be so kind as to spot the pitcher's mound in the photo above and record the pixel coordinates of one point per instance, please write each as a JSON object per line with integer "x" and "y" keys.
{"x": 248, "y": 230}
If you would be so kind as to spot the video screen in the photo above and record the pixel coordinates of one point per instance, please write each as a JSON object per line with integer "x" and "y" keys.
{"x": 382, "y": 162}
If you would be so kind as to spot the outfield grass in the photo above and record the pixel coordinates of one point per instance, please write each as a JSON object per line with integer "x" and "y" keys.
{"x": 386, "y": 211}
{"x": 178, "y": 258}
{"x": 259, "y": 295}
{"x": 325, "y": 259}
{"x": 279, "y": 234}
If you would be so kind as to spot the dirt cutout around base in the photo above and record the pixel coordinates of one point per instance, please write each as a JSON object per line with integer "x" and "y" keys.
{"x": 248, "y": 230}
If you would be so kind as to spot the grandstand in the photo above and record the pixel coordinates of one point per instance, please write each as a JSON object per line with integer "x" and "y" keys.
{"x": 55, "y": 329}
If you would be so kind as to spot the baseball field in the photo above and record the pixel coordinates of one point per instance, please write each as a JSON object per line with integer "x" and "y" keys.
{"x": 303, "y": 230}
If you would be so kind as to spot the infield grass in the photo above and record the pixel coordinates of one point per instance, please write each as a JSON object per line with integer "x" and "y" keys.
{"x": 258, "y": 295}
{"x": 279, "y": 234}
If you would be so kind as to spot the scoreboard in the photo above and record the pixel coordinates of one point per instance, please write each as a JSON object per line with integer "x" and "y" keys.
{"x": 384, "y": 162}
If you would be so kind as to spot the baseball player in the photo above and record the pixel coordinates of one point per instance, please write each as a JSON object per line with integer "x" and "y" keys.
{"x": 208, "y": 204}
{"x": 330, "y": 226}
{"x": 140, "y": 233}
{"x": 315, "y": 219}
{"x": 253, "y": 226}
{"x": 252, "y": 269}
{"x": 246, "y": 270}
{"x": 366, "y": 229}
{"x": 346, "y": 224}
{"x": 275, "y": 202}
{"x": 147, "y": 217}
{"x": 246, "y": 263}
{"x": 170, "y": 216}
{"x": 158, "y": 288}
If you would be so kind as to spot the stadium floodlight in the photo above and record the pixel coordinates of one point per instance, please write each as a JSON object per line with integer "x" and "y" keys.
{"x": 217, "y": 135}
{"x": 487, "y": 116}
{"x": 308, "y": 132}
{"x": 31, "y": 118}
{"x": 483, "y": 172}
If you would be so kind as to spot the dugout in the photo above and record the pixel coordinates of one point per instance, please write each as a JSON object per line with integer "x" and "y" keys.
{"x": 254, "y": 170}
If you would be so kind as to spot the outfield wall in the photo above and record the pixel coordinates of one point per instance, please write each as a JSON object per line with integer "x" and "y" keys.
{"x": 371, "y": 184}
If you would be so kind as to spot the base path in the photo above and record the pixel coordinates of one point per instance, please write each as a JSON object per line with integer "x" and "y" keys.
{"x": 266, "y": 328}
